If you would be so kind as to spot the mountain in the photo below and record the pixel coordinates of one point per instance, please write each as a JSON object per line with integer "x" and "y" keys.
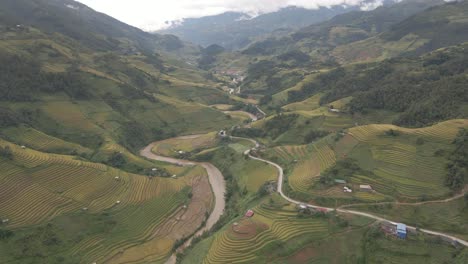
{"x": 293, "y": 57}
{"x": 90, "y": 28}
{"x": 236, "y": 30}
{"x": 62, "y": 51}
{"x": 436, "y": 27}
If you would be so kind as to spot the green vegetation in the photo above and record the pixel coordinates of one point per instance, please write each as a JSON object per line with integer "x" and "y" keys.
{"x": 444, "y": 217}
{"x": 434, "y": 87}
{"x": 458, "y": 162}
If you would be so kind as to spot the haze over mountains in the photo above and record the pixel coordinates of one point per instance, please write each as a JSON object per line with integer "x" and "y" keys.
{"x": 235, "y": 30}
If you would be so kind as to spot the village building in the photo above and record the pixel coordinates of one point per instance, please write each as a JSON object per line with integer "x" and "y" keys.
{"x": 401, "y": 231}
{"x": 249, "y": 213}
{"x": 338, "y": 181}
{"x": 365, "y": 188}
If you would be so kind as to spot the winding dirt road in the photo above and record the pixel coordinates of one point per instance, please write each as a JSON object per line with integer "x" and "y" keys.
{"x": 280, "y": 191}
{"x": 218, "y": 186}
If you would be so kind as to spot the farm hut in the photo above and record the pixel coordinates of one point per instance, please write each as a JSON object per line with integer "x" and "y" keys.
{"x": 249, "y": 213}
{"x": 338, "y": 181}
{"x": 5, "y": 221}
{"x": 365, "y": 188}
{"x": 322, "y": 210}
{"x": 401, "y": 231}
{"x": 222, "y": 133}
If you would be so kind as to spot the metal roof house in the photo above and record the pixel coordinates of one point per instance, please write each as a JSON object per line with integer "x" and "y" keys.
{"x": 401, "y": 231}
{"x": 249, "y": 213}
{"x": 340, "y": 181}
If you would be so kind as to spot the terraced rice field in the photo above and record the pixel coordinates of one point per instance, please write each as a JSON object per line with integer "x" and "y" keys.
{"x": 319, "y": 158}
{"x": 399, "y": 167}
{"x": 254, "y": 174}
{"x": 37, "y": 187}
{"x": 290, "y": 153}
{"x": 40, "y": 141}
{"x": 279, "y": 225}
{"x": 403, "y": 168}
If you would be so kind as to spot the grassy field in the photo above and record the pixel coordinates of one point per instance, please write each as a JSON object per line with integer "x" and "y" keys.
{"x": 91, "y": 212}
{"x": 447, "y": 217}
{"x": 171, "y": 147}
{"x": 403, "y": 167}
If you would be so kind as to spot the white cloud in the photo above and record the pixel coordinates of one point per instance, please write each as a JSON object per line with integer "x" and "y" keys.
{"x": 152, "y": 14}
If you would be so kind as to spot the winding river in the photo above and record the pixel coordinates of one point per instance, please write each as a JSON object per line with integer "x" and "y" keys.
{"x": 218, "y": 186}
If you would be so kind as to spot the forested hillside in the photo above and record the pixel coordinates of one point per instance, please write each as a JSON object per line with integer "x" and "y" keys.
{"x": 423, "y": 90}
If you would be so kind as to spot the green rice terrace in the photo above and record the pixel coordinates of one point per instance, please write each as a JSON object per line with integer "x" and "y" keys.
{"x": 400, "y": 164}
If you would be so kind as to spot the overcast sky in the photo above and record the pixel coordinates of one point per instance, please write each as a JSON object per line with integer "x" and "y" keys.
{"x": 152, "y": 14}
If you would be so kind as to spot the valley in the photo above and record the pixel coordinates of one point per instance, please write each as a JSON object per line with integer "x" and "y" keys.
{"x": 282, "y": 138}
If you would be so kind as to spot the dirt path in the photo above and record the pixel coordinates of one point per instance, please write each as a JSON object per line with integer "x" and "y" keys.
{"x": 280, "y": 191}
{"x": 218, "y": 186}
{"x": 453, "y": 198}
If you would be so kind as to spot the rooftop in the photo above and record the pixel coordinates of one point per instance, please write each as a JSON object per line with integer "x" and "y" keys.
{"x": 401, "y": 227}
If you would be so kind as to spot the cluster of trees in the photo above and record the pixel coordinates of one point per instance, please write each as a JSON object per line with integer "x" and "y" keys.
{"x": 343, "y": 169}
{"x": 117, "y": 160}
{"x": 423, "y": 90}
{"x": 6, "y": 152}
{"x": 314, "y": 134}
{"x": 272, "y": 128}
{"x": 21, "y": 79}
{"x": 458, "y": 162}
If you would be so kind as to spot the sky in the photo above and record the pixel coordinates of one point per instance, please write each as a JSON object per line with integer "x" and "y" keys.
{"x": 151, "y": 15}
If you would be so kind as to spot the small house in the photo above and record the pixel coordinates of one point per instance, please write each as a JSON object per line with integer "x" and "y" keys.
{"x": 222, "y": 133}
{"x": 249, "y": 213}
{"x": 401, "y": 231}
{"x": 338, "y": 181}
{"x": 365, "y": 188}
{"x": 5, "y": 221}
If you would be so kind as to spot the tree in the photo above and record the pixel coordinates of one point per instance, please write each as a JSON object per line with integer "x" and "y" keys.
{"x": 6, "y": 152}
{"x": 117, "y": 160}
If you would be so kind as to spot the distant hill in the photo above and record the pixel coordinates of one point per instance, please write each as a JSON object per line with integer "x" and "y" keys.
{"x": 422, "y": 90}
{"x": 342, "y": 29}
{"x": 436, "y": 27}
{"x": 234, "y": 30}
{"x": 75, "y": 20}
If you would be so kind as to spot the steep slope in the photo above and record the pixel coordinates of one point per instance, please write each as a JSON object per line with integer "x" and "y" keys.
{"x": 436, "y": 27}
{"x": 90, "y": 28}
{"x": 422, "y": 90}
